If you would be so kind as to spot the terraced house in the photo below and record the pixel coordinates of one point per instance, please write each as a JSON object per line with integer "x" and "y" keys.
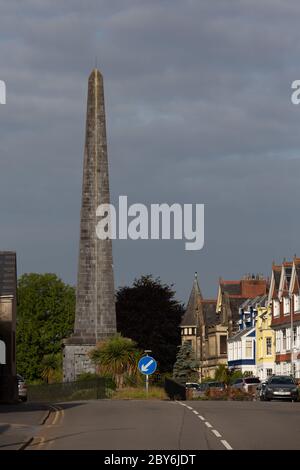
{"x": 207, "y": 323}
{"x": 286, "y": 320}
{"x": 265, "y": 342}
{"x": 242, "y": 346}
{"x": 232, "y": 294}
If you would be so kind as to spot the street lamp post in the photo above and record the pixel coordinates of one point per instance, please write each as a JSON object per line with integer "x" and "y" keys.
{"x": 292, "y": 334}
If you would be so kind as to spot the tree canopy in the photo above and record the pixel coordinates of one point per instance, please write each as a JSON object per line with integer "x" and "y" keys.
{"x": 148, "y": 313}
{"x": 45, "y": 315}
{"x": 116, "y": 356}
{"x": 186, "y": 366}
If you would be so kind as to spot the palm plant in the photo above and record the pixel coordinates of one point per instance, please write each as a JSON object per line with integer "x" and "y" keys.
{"x": 116, "y": 356}
{"x": 51, "y": 368}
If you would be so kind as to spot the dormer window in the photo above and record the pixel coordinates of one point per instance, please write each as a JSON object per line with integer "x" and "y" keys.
{"x": 297, "y": 303}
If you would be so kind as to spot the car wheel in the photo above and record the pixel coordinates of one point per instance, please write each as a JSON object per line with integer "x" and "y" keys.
{"x": 23, "y": 399}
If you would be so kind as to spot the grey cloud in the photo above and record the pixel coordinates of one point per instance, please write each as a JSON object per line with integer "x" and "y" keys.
{"x": 198, "y": 110}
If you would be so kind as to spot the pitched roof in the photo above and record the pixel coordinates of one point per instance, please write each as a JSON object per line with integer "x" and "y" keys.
{"x": 7, "y": 273}
{"x": 277, "y": 274}
{"x": 240, "y": 334}
{"x": 297, "y": 268}
{"x": 231, "y": 287}
{"x": 194, "y": 303}
{"x": 209, "y": 312}
{"x": 259, "y": 300}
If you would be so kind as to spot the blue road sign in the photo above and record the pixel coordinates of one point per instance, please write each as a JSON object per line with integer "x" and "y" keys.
{"x": 147, "y": 365}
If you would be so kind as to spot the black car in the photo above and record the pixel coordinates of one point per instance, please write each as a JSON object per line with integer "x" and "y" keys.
{"x": 279, "y": 387}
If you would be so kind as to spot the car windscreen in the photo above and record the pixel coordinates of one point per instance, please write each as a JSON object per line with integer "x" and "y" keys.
{"x": 252, "y": 380}
{"x": 282, "y": 380}
{"x": 215, "y": 384}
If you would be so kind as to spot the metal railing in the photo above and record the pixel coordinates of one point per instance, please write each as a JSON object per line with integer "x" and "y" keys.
{"x": 94, "y": 389}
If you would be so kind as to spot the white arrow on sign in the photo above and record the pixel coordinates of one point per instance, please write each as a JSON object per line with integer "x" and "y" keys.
{"x": 145, "y": 367}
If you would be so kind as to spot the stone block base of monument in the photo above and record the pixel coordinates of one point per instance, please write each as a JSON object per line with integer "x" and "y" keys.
{"x": 76, "y": 360}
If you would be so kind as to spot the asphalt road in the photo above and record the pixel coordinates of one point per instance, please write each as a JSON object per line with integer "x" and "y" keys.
{"x": 20, "y": 422}
{"x": 164, "y": 425}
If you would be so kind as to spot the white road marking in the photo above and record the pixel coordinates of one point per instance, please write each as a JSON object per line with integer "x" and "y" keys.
{"x": 214, "y": 431}
{"x": 225, "y": 444}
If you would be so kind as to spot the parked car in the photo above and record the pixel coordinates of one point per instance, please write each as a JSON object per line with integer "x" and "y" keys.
{"x": 246, "y": 384}
{"x": 192, "y": 385}
{"x": 208, "y": 385}
{"x": 204, "y": 387}
{"x": 279, "y": 387}
{"x": 22, "y": 388}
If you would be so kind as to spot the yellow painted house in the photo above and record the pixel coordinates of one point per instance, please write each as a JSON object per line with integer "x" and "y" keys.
{"x": 265, "y": 342}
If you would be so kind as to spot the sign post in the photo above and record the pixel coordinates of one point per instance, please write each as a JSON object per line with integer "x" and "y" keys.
{"x": 147, "y": 366}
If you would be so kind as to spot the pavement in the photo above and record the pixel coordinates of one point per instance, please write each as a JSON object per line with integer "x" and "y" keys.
{"x": 167, "y": 425}
{"x": 19, "y": 423}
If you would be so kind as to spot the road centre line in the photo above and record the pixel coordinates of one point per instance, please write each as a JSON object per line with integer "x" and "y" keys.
{"x": 214, "y": 431}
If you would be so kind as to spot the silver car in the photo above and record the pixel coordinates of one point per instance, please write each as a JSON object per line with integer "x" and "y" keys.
{"x": 247, "y": 384}
{"x": 22, "y": 388}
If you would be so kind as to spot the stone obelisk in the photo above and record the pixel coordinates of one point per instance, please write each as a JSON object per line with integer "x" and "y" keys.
{"x": 95, "y": 317}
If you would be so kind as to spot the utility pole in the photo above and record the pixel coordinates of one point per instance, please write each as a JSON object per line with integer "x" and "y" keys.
{"x": 292, "y": 334}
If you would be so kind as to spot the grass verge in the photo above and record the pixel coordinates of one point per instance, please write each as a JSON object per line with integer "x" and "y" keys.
{"x": 139, "y": 393}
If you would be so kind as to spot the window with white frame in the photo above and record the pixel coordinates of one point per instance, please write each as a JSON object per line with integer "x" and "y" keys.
{"x": 276, "y": 308}
{"x": 297, "y": 342}
{"x": 277, "y": 341}
{"x": 284, "y": 339}
{"x": 296, "y": 303}
{"x": 248, "y": 349}
{"x": 269, "y": 372}
{"x": 234, "y": 350}
{"x": 286, "y": 305}
{"x": 230, "y": 352}
{"x": 269, "y": 346}
{"x": 239, "y": 351}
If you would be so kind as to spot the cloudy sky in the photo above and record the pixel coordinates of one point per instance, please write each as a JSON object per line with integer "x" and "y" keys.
{"x": 198, "y": 110}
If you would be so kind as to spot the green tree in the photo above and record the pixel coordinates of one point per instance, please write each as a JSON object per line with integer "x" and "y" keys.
{"x": 45, "y": 315}
{"x": 223, "y": 374}
{"x": 186, "y": 366}
{"x": 116, "y": 356}
{"x": 148, "y": 313}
